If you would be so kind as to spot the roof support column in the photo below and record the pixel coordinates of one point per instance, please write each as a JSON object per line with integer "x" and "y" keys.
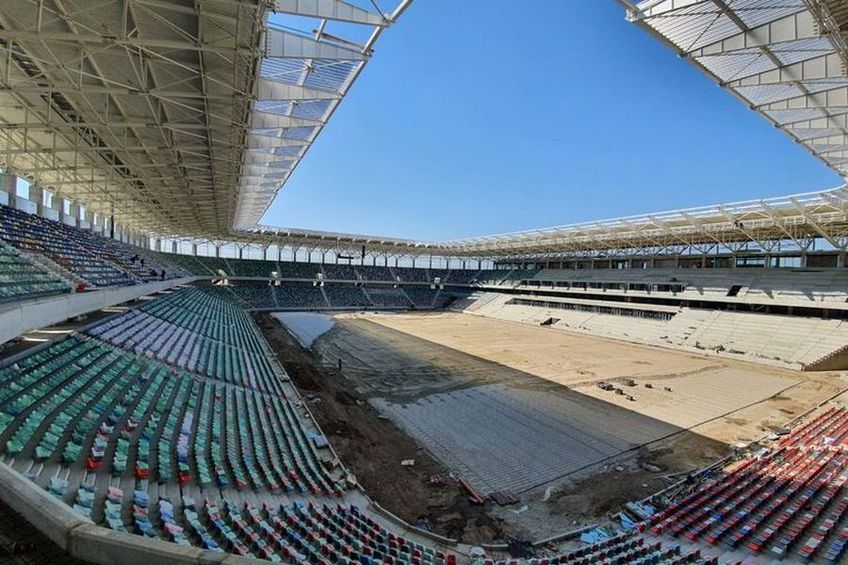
{"x": 7, "y": 189}
{"x": 36, "y": 196}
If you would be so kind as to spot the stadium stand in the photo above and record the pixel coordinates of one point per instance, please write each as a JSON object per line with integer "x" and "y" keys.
{"x": 790, "y": 499}
{"x": 406, "y": 274}
{"x": 250, "y": 268}
{"x": 105, "y": 422}
{"x": 340, "y": 272}
{"x": 421, "y": 296}
{"x": 387, "y": 297}
{"x": 188, "y": 263}
{"x": 373, "y": 273}
{"x": 299, "y": 270}
{"x": 300, "y": 295}
{"x": 346, "y": 296}
{"x": 800, "y": 342}
{"x": 170, "y": 418}
{"x": 19, "y": 278}
{"x": 69, "y": 248}
{"x": 196, "y": 331}
{"x": 79, "y": 255}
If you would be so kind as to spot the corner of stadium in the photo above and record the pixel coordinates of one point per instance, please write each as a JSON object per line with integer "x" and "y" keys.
{"x": 182, "y": 384}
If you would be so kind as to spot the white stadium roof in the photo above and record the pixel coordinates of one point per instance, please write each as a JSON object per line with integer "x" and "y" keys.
{"x": 184, "y": 118}
{"x": 177, "y": 116}
{"x": 785, "y": 59}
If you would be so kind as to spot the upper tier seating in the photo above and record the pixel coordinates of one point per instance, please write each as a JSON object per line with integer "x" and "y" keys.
{"x": 251, "y": 268}
{"x": 463, "y": 276}
{"x": 441, "y": 274}
{"x": 292, "y": 270}
{"x": 188, "y": 263}
{"x": 795, "y": 287}
{"x": 791, "y": 499}
{"x": 21, "y": 279}
{"x": 491, "y": 277}
{"x": 69, "y": 247}
{"x": 340, "y": 272}
{"x": 83, "y": 254}
{"x": 412, "y": 275}
{"x": 375, "y": 273}
{"x": 346, "y": 296}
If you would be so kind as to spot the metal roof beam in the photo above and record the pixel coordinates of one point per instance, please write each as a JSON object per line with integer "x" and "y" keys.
{"x": 336, "y": 10}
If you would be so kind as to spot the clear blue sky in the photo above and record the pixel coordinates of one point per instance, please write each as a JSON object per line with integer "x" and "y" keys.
{"x": 485, "y": 116}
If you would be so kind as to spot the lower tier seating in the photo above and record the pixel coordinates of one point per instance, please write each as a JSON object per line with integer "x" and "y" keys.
{"x": 346, "y": 296}
{"x": 198, "y": 332}
{"x": 790, "y": 499}
{"x": 388, "y": 297}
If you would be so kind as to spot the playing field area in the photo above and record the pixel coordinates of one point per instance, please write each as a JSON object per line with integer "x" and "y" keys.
{"x": 513, "y": 407}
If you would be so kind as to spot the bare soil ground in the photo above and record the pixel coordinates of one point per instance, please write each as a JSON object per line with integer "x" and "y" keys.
{"x": 408, "y": 357}
{"x": 372, "y": 447}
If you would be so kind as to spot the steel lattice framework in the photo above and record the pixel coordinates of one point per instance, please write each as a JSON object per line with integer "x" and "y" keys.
{"x": 174, "y": 116}
{"x": 184, "y": 118}
{"x": 785, "y": 59}
{"x": 800, "y": 219}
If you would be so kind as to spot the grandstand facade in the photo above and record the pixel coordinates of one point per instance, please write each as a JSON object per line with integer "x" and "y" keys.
{"x": 141, "y": 143}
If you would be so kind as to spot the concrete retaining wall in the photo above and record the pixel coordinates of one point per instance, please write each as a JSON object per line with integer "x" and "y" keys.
{"x": 84, "y": 540}
{"x": 20, "y": 317}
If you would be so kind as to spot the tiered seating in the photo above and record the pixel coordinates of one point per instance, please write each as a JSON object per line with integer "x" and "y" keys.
{"x": 375, "y": 273}
{"x": 491, "y": 277}
{"x": 20, "y": 279}
{"x": 255, "y": 294}
{"x": 792, "y": 498}
{"x": 251, "y": 268}
{"x": 413, "y": 275}
{"x": 421, "y": 296}
{"x": 215, "y": 264}
{"x": 76, "y": 250}
{"x": 346, "y": 296}
{"x": 340, "y": 272}
{"x": 307, "y": 532}
{"x": 517, "y": 275}
{"x": 388, "y": 297}
{"x": 629, "y": 548}
{"x": 442, "y": 274}
{"x": 462, "y": 276}
{"x": 197, "y": 332}
{"x": 124, "y": 429}
{"x": 293, "y": 270}
{"x": 188, "y": 263}
{"x": 100, "y": 400}
{"x": 146, "y": 267}
{"x": 299, "y": 295}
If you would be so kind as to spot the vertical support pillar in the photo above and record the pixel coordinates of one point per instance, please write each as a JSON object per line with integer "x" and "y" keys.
{"x": 7, "y": 188}
{"x": 36, "y": 196}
